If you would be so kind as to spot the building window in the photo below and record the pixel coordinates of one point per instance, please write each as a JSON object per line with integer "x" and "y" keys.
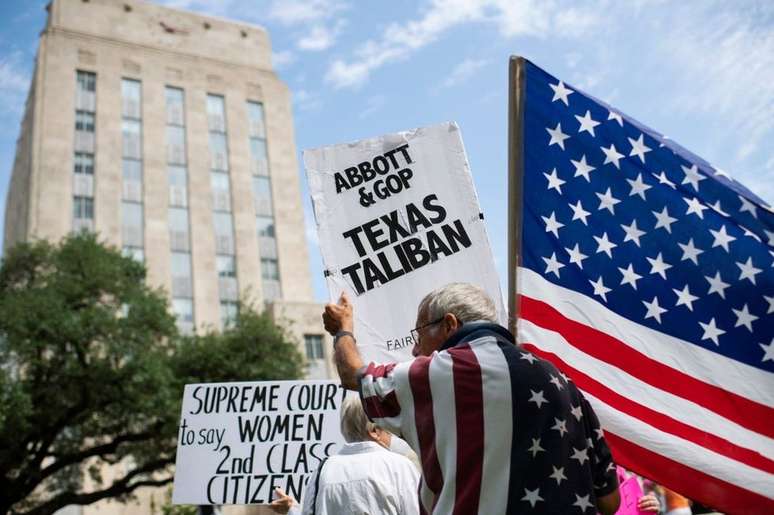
{"x": 83, "y": 208}
{"x": 224, "y": 233}
{"x": 175, "y": 106}
{"x": 262, "y": 196}
{"x": 228, "y": 312}
{"x": 216, "y": 113}
{"x": 135, "y": 253}
{"x": 131, "y": 139}
{"x": 226, "y": 266}
{"x": 179, "y": 232}
{"x": 178, "y": 186}
{"x": 86, "y": 81}
{"x": 131, "y": 107}
{"x": 84, "y": 121}
{"x": 178, "y": 229}
{"x": 181, "y": 275}
{"x": 132, "y": 180}
{"x": 84, "y": 163}
{"x": 314, "y": 346}
{"x": 131, "y": 224}
{"x": 176, "y": 145}
{"x": 83, "y": 160}
{"x": 221, "y": 192}
{"x": 269, "y": 269}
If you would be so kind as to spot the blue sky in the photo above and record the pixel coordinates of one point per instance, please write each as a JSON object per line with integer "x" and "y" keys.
{"x": 699, "y": 71}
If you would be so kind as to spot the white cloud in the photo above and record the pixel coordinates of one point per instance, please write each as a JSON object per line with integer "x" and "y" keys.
{"x": 319, "y": 37}
{"x": 464, "y": 70}
{"x": 511, "y": 17}
{"x": 297, "y": 12}
{"x": 282, "y": 59}
{"x": 726, "y": 55}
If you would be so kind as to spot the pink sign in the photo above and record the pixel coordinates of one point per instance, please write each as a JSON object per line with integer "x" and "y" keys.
{"x": 630, "y": 491}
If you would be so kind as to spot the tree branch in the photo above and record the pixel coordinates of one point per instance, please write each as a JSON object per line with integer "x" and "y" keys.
{"x": 122, "y": 486}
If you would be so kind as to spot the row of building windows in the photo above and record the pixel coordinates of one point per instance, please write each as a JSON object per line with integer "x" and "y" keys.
{"x": 220, "y": 184}
{"x": 83, "y": 168}
{"x": 177, "y": 212}
{"x": 132, "y": 212}
{"x": 262, "y": 199}
{"x": 132, "y": 226}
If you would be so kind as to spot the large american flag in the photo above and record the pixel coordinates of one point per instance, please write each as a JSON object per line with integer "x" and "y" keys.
{"x": 647, "y": 276}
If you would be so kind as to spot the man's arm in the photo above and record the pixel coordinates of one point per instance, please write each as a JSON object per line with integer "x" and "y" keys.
{"x": 608, "y": 504}
{"x": 338, "y": 317}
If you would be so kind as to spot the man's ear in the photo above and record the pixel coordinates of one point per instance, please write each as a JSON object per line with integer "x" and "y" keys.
{"x": 450, "y": 322}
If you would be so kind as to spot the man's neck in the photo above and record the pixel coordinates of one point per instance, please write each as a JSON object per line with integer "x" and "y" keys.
{"x": 468, "y": 329}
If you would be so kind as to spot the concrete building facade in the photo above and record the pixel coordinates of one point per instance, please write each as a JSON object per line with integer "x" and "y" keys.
{"x": 169, "y": 135}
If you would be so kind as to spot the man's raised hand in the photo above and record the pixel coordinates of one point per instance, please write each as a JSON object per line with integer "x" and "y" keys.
{"x": 338, "y": 317}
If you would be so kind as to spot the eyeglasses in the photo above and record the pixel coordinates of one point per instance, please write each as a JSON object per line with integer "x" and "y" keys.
{"x": 415, "y": 332}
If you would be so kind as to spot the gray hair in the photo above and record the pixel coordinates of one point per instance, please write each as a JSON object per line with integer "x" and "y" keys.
{"x": 465, "y": 301}
{"x": 355, "y": 425}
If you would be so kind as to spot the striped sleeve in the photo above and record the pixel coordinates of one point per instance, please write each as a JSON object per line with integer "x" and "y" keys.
{"x": 377, "y": 392}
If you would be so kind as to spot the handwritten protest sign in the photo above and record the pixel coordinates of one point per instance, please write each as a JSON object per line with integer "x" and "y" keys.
{"x": 398, "y": 216}
{"x": 238, "y": 441}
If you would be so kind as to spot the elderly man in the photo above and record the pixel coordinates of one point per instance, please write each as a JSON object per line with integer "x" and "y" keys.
{"x": 363, "y": 477}
{"x": 497, "y": 429}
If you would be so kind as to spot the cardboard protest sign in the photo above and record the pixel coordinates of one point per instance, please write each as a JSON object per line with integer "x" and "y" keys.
{"x": 397, "y": 217}
{"x": 238, "y": 441}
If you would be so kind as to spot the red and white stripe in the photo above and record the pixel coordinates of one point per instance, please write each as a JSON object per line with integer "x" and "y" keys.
{"x": 696, "y": 421}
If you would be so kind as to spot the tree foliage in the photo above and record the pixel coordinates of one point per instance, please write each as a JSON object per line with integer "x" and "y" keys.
{"x": 92, "y": 371}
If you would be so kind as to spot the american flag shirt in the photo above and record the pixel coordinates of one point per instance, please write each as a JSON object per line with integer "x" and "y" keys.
{"x": 647, "y": 276}
{"x": 497, "y": 429}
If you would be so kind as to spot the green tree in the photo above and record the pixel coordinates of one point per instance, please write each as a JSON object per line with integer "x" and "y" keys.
{"x": 92, "y": 372}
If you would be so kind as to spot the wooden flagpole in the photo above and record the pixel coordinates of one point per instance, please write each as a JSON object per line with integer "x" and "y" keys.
{"x": 516, "y": 96}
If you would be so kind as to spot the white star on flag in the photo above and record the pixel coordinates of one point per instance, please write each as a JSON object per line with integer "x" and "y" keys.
{"x": 748, "y": 271}
{"x": 632, "y": 233}
{"x": 662, "y": 179}
{"x": 744, "y": 317}
{"x": 722, "y": 238}
{"x": 638, "y": 187}
{"x": 639, "y": 148}
{"x": 615, "y": 116}
{"x": 695, "y": 207}
{"x": 577, "y": 412}
{"x": 768, "y": 351}
{"x": 600, "y": 288}
{"x": 586, "y": 123}
{"x": 690, "y": 252}
{"x": 580, "y": 455}
{"x": 711, "y": 331}
{"x": 578, "y": 213}
{"x": 552, "y": 225}
{"x": 552, "y": 265}
{"x": 747, "y": 206}
{"x": 538, "y": 398}
{"x": 582, "y": 502}
{"x": 576, "y": 256}
{"x": 663, "y": 220}
{"x": 630, "y": 277}
{"x": 717, "y": 285}
{"x": 605, "y": 245}
{"x": 654, "y": 310}
{"x": 684, "y": 298}
{"x": 607, "y": 201}
{"x": 770, "y": 300}
{"x": 554, "y": 182}
{"x": 536, "y": 448}
{"x": 692, "y": 176}
{"x": 532, "y": 496}
{"x": 582, "y": 168}
{"x": 560, "y": 425}
{"x": 557, "y": 136}
{"x": 561, "y": 92}
{"x": 612, "y": 156}
{"x": 658, "y": 266}
{"x": 558, "y": 475}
